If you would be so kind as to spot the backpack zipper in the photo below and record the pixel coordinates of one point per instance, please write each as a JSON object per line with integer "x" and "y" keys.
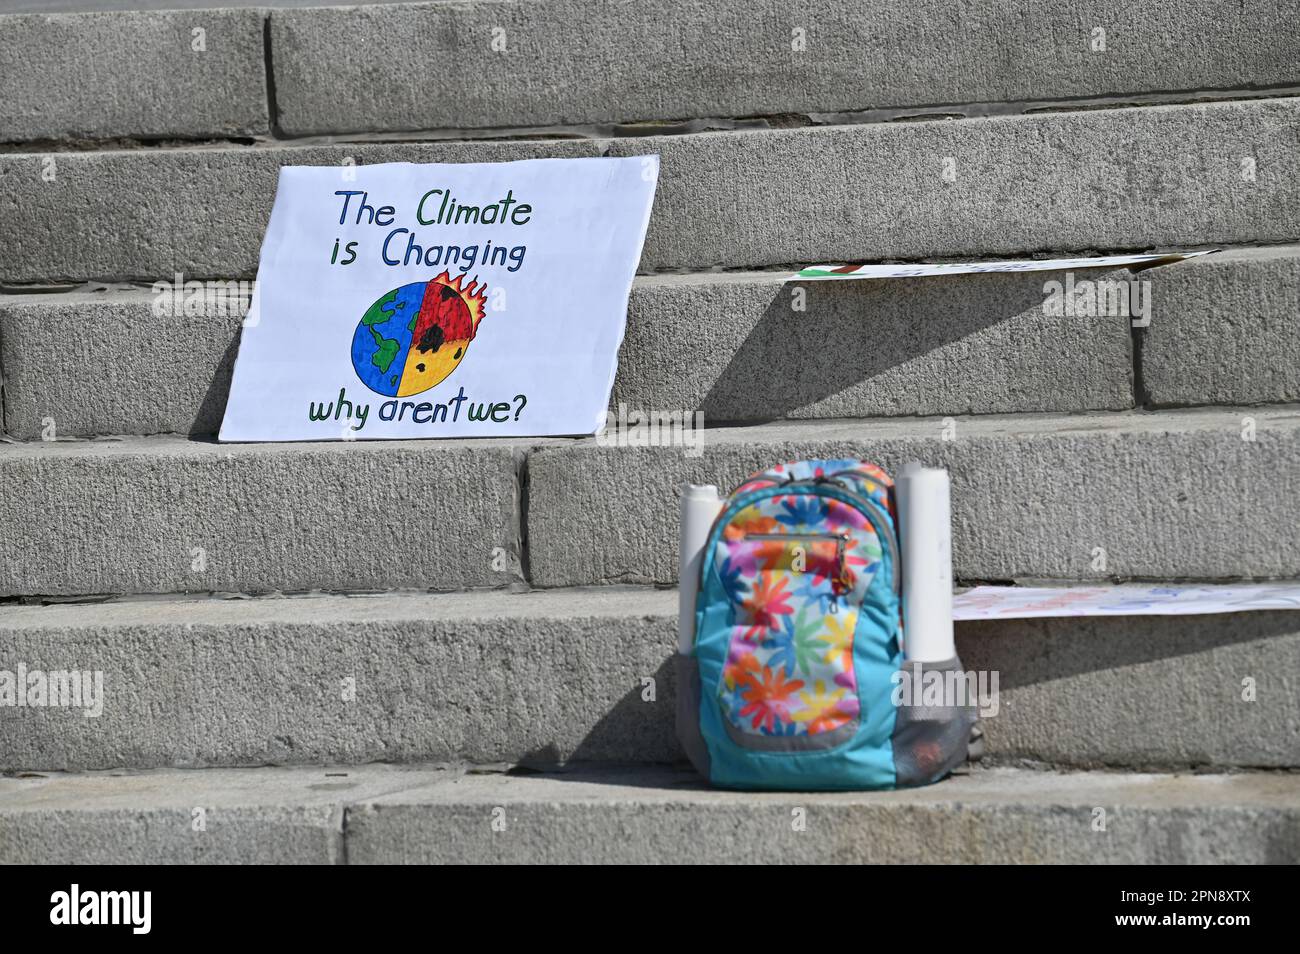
{"x": 841, "y": 581}
{"x": 841, "y": 541}
{"x": 874, "y": 512}
{"x": 798, "y": 536}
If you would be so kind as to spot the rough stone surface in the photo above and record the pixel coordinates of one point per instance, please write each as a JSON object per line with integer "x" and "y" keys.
{"x": 132, "y": 75}
{"x": 1103, "y": 179}
{"x": 387, "y": 814}
{"x": 252, "y": 816}
{"x": 1159, "y": 176}
{"x": 571, "y": 677}
{"x": 733, "y": 346}
{"x": 1000, "y": 816}
{"x": 554, "y": 677}
{"x": 566, "y": 61}
{"x": 728, "y": 345}
{"x": 165, "y": 515}
{"x": 1225, "y": 329}
{"x": 147, "y": 214}
{"x": 540, "y": 678}
{"x": 94, "y": 363}
{"x": 1142, "y": 690}
{"x": 756, "y": 346}
{"x": 1175, "y": 494}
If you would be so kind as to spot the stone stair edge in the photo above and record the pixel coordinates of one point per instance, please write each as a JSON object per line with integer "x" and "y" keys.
{"x": 1130, "y": 421}
{"x": 599, "y": 135}
{"x": 607, "y": 145}
{"x": 790, "y": 210}
{"x": 367, "y": 814}
{"x": 182, "y": 445}
{"x": 199, "y": 611}
{"x": 137, "y": 292}
{"x": 518, "y": 602}
{"x": 1020, "y": 424}
{"x": 291, "y": 41}
{"x": 588, "y": 601}
{"x": 410, "y": 783}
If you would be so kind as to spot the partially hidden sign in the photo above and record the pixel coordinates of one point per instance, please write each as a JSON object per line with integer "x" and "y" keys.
{"x": 441, "y": 300}
{"x": 1126, "y": 599}
{"x": 926, "y": 269}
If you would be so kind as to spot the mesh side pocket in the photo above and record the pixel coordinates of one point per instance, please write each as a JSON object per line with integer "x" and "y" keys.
{"x": 930, "y": 741}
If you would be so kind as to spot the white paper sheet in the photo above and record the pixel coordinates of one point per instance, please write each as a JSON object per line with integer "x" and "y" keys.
{"x": 461, "y": 300}
{"x": 1014, "y": 602}
{"x": 925, "y": 269}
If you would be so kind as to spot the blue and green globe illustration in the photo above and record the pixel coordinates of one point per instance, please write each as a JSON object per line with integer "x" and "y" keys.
{"x": 414, "y": 336}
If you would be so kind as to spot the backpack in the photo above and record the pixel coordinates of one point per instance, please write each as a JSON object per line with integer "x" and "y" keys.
{"x": 790, "y": 683}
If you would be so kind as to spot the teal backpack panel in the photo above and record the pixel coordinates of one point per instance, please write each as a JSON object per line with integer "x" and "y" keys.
{"x": 798, "y": 639}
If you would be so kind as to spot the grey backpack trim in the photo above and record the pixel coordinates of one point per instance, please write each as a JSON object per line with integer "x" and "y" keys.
{"x": 793, "y": 743}
{"x": 688, "y": 713}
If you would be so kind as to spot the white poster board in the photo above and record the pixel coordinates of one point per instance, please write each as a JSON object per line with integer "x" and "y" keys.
{"x": 441, "y": 300}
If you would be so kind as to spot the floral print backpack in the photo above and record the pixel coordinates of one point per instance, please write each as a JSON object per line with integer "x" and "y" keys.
{"x": 798, "y": 637}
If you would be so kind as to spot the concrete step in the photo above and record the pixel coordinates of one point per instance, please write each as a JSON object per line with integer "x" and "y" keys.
{"x": 1181, "y": 494}
{"x": 569, "y": 61}
{"x": 71, "y": 363}
{"x": 556, "y": 677}
{"x": 728, "y": 345}
{"x": 155, "y": 515}
{"x": 386, "y": 814}
{"x": 481, "y": 677}
{"x": 999, "y": 816}
{"x": 735, "y": 346}
{"x": 503, "y": 63}
{"x": 1207, "y": 493}
{"x": 746, "y": 199}
{"x": 158, "y": 74}
{"x": 1224, "y": 329}
{"x": 240, "y": 816}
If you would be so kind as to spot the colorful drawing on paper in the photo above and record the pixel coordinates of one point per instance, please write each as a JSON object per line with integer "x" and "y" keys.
{"x": 1125, "y": 599}
{"x": 415, "y": 336}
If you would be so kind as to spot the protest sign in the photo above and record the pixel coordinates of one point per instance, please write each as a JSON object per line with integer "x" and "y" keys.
{"x": 440, "y": 300}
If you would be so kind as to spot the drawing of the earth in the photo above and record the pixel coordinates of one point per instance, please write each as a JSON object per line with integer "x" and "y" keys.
{"x": 414, "y": 336}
